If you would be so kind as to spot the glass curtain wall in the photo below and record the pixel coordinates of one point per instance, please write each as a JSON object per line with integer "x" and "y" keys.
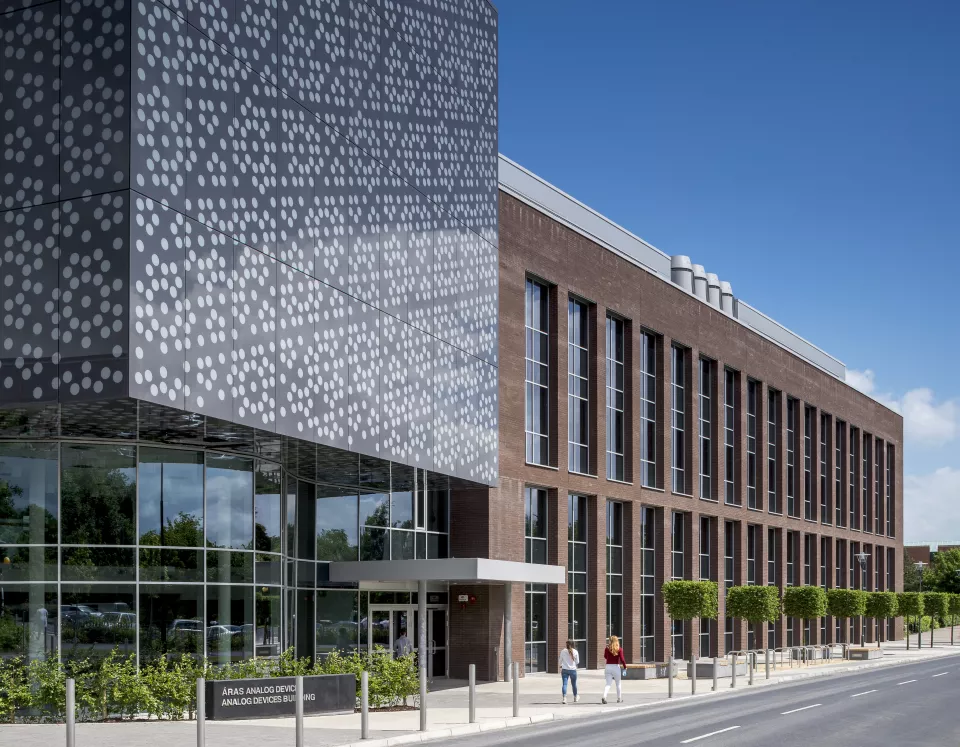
{"x": 678, "y": 547}
{"x": 149, "y": 549}
{"x": 647, "y": 582}
{"x": 537, "y": 383}
{"x": 616, "y": 417}
{"x": 614, "y": 569}
{"x": 648, "y": 410}
{"x": 578, "y": 386}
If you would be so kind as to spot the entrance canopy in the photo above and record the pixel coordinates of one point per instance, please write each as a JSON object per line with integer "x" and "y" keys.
{"x": 452, "y": 570}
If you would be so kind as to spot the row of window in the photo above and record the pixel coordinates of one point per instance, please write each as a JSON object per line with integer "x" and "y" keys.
{"x": 869, "y": 569}
{"x": 853, "y": 501}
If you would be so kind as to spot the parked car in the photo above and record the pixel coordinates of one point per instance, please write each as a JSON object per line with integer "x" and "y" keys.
{"x": 185, "y": 627}
{"x": 119, "y": 619}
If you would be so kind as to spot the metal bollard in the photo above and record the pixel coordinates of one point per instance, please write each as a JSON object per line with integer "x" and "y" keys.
{"x": 472, "y": 693}
{"x": 364, "y": 705}
{"x": 716, "y": 666}
{"x": 299, "y": 724}
{"x": 201, "y": 712}
{"x": 516, "y": 689}
{"x": 670, "y": 676}
{"x": 693, "y": 674}
{"x": 751, "y": 668}
{"x": 766, "y": 661}
{"x": 733, "y": 670}
{"x": 71, "y": 715}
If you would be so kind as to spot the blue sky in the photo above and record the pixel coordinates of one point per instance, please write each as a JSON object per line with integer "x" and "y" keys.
{"x": 809, "y": 153}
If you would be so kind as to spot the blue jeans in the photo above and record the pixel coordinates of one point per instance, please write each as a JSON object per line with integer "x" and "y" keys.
{"x": 569, "y": 674}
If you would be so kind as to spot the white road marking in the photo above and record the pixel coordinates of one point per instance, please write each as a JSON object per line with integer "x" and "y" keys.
{"x": 865, "y": 693}
{"x": 906, "y": 682}
{"x": 797, "y": 710}
{"x": 704, "y": 736}
{"x": 941, "y": 674}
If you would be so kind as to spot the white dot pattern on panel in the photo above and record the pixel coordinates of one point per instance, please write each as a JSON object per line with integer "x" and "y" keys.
{"x": 254, "y": 335}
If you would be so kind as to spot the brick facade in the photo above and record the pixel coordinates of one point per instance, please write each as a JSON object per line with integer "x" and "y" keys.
{"x": 534, "y": 244}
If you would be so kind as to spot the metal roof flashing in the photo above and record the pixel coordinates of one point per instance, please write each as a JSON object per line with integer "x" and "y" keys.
{"x": 543, "y": 196}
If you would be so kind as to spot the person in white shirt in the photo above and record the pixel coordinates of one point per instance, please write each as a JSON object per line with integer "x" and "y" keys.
{"x": 402, "y": 646}
{"x": 569, "y": 660}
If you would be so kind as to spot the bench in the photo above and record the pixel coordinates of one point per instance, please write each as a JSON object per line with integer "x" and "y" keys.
{"x": 648, "y": 671}
{"x": 864, "y": 654}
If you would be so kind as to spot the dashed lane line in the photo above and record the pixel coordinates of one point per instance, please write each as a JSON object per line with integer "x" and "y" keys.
{"x": 905, "y": 682}
{"x": 711, "y": 734}
{"x": 863, "y": 693}
{"x": 941, "y": 674}
{"x": 797, "y": 710}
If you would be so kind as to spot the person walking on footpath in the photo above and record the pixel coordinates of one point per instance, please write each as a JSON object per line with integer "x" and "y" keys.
{"x": 569, "y": 661}
{"x": 613, "y": 656}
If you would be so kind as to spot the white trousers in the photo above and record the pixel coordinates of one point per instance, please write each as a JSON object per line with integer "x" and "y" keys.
{"x": 612, "y": 672}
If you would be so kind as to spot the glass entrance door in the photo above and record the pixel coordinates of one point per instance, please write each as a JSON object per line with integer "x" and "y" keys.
{"x": 437, "y": 642}
{"x": 386, "y": 624}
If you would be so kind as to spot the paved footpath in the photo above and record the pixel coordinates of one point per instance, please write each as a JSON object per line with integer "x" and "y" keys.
{"x": 447, "y": 709}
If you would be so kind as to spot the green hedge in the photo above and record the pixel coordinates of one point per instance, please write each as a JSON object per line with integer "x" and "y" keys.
{"x": 881, "y": 605}
{"x": 936, "y": 604}
{"x": 955, "y": 605}
{"x": 755, "y": 604}
{"x": 112, "y": 686}
{"x": 845, "y": 603}
{"x": 805, "y": 602}
{"x": 687, "y": 600}
{"x": 910, "y": 604}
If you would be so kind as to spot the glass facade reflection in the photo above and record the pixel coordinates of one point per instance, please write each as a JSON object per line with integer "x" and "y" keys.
{"x": 211, "y": 542}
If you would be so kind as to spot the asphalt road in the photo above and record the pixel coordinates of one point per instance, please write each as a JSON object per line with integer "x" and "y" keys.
{"x": 917, "y": 704}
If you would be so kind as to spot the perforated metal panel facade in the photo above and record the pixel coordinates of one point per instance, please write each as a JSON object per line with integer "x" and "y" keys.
{"x": 280, "y": 213}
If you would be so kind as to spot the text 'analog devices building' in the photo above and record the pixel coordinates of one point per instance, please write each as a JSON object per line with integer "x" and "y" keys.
{"x": 291, "y": 358}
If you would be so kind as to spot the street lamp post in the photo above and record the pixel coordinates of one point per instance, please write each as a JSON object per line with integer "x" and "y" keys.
{"x": 919, "y": 566}
{"x": 862, "y": 559}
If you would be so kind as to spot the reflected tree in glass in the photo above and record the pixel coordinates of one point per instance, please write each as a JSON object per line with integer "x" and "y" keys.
{"x": 98, "y": 488}
{"x": 337, "y": 520}
{"x": 28, "y": 493}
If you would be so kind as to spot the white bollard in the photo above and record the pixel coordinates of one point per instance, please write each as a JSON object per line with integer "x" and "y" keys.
{"x": 364, "y": 705}
{"x": 71, "y": 714}
{"x": 472, "y": 693}
{"x": 299, "y": 723}
{"x": 716, "y": 666}
{"x": 201, "y": 712}
{"x": 670, "y": 676}
{"x": 516, "y": 689}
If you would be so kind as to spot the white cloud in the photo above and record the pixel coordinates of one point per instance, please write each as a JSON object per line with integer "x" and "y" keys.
{"x": 925, "y": 420}
{"x": 932, "y": 506}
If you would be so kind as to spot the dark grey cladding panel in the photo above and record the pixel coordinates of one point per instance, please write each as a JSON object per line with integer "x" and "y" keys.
{"x": 395, "y": 363}
{"x": 330, "y": 367}
{"x": 30, "y": 106}
{"x": 365, "y": 79}
{"x": 159, "y": 101}
{"x": 29, "y": 295}
{"x": 159, "y": 238}
{"x": 94, "y": 296}
{"x": 366, "y": 182}
{"x": 254, "y": 366}
{"x": 95, "y": 97}
{"x": 363, "y": 365}
{"x": 208, "y": 321}
{"x": 487, "y": 424}
{"x": 247, "y": 29}
{"x": 423, "y": 398}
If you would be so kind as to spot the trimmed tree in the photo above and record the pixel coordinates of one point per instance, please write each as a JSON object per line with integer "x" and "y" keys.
{"x": 755, "y": 604}
{"x": 881, "y": 605}
{"x": 686, "y": 600}
{"x": 936, "y": 605}
{"x": 805, "y": 603}
{"x": 910, "y": 604}
{"x": 954, "y": 613}
{"x": 846, "y": 603}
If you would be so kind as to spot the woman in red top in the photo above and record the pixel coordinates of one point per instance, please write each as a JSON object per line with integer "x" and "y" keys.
{"x": 613, "y": 656}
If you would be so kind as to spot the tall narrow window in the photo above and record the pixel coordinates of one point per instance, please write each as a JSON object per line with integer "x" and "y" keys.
{"x": 535, "y": 551}
{"x": 878, "y": 458}
{"x": 773, "y": 451}
{"x": 773, "y": 576}
{"x": 808, "y": 550}
{"x": 678, "y": 408}
{"x": 729, "y": 437}
{"x": 839, "y": 494}
{"x": 706, "y": 429}
{"x": 839, "y": 562}
{"x": 578, "y": 386}
{"x": 865, "y": 481}
{"x": 891, "y": 498}
{"x": 537, "y": 373}
{"x": 648, "y": 561}
{"x": 614, "y": 568}
{"x": 729, "y": 572}
{"x": 615, "y": 399}
{"x": 677, "y": 568}
{"x": 791, "y": 571}
{"x": 808, "y": 421}
{"x": 751, "y": 573}
{"x": 577, "y": 570}
{"x": 825, "y": 481}
{"x": 753, "y": 393}
{"x": 648, "y": 410}
{"x": 890, "y": 569}
{"x": 854, "y": 465}
{"x": 824, "y": 581}
{"x": 792, "y": 508}
{"x": 705, "y": 575}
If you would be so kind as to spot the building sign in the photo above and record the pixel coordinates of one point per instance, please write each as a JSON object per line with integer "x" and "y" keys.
{"x": 277, "y": 696}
